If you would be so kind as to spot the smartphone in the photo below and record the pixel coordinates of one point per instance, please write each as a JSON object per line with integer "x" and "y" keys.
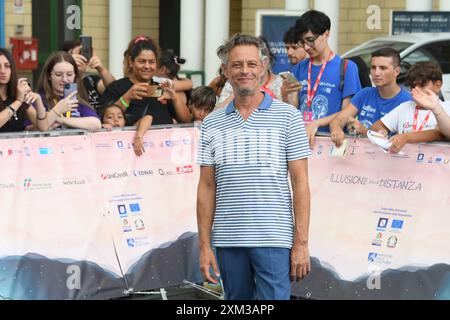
{"x": 286, "y": 75}
{"x": 69, "y": 88}
{"x": 86, "y": 47}
{"x": 154, "y": 91}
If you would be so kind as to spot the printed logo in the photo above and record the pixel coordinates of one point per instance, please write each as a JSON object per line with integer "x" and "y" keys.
{"x": 122, "y": 210}
{"x": 420, "y": 157}
{"x": 369, "y": 108}
{"x": 27, "y": 183}
{"x": 372, "y": 256}
{"x": 130, "y": 243}
{"x": 134, "y": 207}
{"x": 103, "y": 145}
{"x": 27, "y": 151}
{"x": 378, "y": 242}
{"x": 73, "y": 181}
{"x": 382, "y": 223}
{"x": 379, "y": 258}
{"x": 438, "y": 160}
{"x": 10, "y": 152}
{"x": 126, "y": 229}
{"x": 6, "y": 185}
{"x": 115, "y": 175}
{"x": 391, "y": 242}
{"x": 397, "y": 224}
{"x": 138, "y": 242}
{"x": 163, "y": 172}
{"x": 169, "y": 143}
{"x": 139, "y": 223}
{"x": 149, "y": 144}
{"x": 45, "y": 151}
{"x": 185, "y": 169}
{"x": 141, "y": 173}
{"x": 320, "y": 150}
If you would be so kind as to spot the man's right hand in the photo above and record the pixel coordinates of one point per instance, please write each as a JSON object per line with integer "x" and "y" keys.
{"x": 208, "y": 260}
{"x": 337, "y": 136}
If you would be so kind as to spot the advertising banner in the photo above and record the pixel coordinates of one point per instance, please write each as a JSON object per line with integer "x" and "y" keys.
{"x": 83, "y": 218}
{"x": 379, "y": 223}
{"x": 150, "y": 204}
{"x": 54, "y": 243}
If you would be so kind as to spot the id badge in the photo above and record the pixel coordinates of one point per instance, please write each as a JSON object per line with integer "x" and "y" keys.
{"x": 307, "y": 117}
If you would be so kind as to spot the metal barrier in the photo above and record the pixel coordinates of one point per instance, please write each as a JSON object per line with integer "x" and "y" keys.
{"x": 78, "y": 132}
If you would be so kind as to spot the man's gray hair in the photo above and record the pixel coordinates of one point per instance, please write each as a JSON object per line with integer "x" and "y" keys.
{"x": 240, "y": 39}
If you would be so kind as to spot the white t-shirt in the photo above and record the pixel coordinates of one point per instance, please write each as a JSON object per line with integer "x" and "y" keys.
{"x": 401, "y": 119}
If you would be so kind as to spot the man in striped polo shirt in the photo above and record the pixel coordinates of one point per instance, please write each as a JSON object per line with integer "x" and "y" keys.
{"x": 246, "y": 150}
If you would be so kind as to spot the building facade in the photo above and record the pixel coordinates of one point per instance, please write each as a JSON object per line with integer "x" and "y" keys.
{"x": 193, "y": 28}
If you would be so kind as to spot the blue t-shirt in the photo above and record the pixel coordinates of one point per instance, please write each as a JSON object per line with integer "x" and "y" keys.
{"x": 328, "y": 98}
{"x": 372, "y": 107}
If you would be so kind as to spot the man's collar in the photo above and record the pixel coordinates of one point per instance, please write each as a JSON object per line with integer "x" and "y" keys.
{"x": 265, "y": 104}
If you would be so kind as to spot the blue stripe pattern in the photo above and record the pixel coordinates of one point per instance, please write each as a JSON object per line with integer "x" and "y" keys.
{"x": 253, "y": 198}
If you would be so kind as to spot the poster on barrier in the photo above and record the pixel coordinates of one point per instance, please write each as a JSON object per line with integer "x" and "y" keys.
{"x": 54, "y": 243}
{"x": 272, "y": 25}
{"x": 150, "y": 205}
{"x": 379, "y": 223}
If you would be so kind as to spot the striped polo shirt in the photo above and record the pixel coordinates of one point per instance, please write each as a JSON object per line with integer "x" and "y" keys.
{"x": 253, "y": 198}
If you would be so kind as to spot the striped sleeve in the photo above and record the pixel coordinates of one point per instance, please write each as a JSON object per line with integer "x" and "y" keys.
{"x": 297, "y": 145}
{"x": 205, "y": 152}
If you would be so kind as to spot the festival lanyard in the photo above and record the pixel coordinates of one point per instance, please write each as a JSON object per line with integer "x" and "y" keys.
{"x": 310, "y": 95}
{"x": 266, "y": 89}
{"x": 416, "y": 115}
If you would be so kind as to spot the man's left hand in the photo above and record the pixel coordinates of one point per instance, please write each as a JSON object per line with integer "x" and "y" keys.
{"x": 300, "y": 261}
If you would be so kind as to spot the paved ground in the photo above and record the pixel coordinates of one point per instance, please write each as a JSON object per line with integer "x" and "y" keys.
{"x": 173, "y": 293}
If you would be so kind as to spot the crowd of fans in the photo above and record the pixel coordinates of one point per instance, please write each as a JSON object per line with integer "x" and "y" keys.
{"x": 68, "y": 96}
{"x": 334, "y": 95}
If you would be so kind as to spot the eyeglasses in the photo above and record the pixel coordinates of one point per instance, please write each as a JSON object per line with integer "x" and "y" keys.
{"x": 309, "y": 41}
{"x": 60, "y": 75}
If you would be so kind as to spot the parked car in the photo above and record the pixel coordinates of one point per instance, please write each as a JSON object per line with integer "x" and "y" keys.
{"x": 413, "y": 47}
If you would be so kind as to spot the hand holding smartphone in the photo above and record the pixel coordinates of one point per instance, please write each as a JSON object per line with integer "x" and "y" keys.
{"x": 86, "y": 47}
{"x": 70, "y": 89}
{"x": 286, "y": 75}
{"x": 154, "y": 91}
